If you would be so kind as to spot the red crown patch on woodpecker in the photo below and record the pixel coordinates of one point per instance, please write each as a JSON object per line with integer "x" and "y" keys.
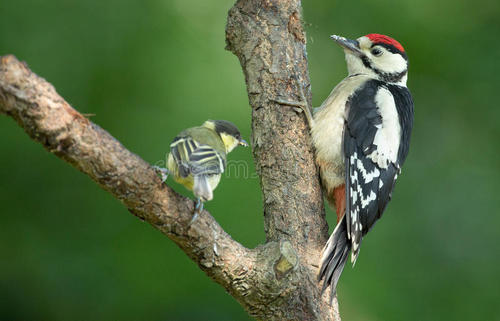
{"x": 377, "y": 38}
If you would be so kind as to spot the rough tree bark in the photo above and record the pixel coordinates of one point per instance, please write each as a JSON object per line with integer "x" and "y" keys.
{"x": 275, "y": 281}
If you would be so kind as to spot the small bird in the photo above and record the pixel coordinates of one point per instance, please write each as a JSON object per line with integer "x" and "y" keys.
{"x": 197, "y": 158}
{"x": 361, "y": 134}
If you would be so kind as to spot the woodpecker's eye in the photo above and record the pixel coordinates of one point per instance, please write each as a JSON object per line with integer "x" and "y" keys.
{"x": 376, "y": 52}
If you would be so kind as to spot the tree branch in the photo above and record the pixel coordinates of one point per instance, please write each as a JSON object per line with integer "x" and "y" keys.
{"x": 268, "y": 39}
{"x": 51, "y": 121}
{"x": 275, "y": 281}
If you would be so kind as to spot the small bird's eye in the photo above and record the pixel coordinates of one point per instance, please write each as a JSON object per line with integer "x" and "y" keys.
{"x": 376, "y": 52}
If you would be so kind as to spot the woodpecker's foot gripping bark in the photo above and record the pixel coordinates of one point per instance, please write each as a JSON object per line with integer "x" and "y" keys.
{"x": 299, "y": 106}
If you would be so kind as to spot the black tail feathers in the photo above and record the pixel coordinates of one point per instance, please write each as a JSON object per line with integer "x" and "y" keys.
{"x": 334, "y": 257}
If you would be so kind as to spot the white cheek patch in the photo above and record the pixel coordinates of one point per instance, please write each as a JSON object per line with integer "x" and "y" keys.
{"x": 355, "y": 65}
{"x": 389, "y": 62}
{"x": 388, "y": 136}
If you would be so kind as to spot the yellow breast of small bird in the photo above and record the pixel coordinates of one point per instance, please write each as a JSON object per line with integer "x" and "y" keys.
{"x": 186, "y": 181}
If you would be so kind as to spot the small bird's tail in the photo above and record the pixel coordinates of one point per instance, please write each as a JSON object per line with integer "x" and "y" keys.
{"x": 202, "y": 188}
{"x": 334, "y": 257}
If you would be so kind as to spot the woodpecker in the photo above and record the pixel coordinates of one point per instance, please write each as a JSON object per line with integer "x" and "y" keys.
{"x": 361, "y": 134}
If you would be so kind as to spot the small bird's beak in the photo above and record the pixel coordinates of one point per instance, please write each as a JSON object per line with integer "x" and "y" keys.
{"x": 351, "y": 45}
{"x": 243, "y": 143}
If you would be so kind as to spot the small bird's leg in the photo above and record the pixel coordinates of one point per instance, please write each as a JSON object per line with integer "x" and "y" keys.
{"x": 197, "y": 210}
{"x": 163, "y": 172}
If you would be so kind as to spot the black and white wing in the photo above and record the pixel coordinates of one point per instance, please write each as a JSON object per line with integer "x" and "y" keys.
{"x": 193, "y": 158}
{"x": 376, "y": 140}
{"x": 375, "y": 144}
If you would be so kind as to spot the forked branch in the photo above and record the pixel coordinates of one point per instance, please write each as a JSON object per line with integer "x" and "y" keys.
{"x": 275, "y": 281}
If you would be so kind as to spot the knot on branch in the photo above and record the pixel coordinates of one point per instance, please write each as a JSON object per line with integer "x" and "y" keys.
{"x": 287, "y": 261}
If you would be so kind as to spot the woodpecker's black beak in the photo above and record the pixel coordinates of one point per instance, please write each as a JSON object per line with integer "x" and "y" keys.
{"x": 351, "y": 45}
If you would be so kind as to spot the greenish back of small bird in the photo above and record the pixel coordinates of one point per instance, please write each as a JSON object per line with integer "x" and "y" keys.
{"x": 206, "y": 136}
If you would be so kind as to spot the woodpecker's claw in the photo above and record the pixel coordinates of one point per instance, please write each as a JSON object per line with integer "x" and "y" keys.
{"x": 299, "y": 106}
{"x": 163, "y": 172}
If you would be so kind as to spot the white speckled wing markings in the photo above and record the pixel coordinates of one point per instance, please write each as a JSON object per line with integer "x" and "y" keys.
{"x": 363, "y": 179}
{"x": 376, "y": 140}
{"x": 372, "y": 138}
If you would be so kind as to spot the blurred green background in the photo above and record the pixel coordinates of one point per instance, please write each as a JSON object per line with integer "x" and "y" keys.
{"x": 148, "y": 69}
